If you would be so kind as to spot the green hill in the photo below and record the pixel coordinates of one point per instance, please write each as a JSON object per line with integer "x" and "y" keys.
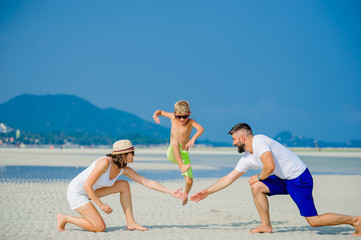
{"x": 70, "y": 114}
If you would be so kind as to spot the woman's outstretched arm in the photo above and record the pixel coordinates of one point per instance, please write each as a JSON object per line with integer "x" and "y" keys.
{"x": 130, "y": 173}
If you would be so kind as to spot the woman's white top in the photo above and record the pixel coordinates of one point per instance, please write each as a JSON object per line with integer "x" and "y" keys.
{"x": 103, "y": 181}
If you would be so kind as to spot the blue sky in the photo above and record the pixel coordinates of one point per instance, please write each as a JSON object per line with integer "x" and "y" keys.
{"x": 277, "y": 65}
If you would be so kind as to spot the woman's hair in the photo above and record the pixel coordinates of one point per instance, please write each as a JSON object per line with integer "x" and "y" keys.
{"x": 120, "y": 160}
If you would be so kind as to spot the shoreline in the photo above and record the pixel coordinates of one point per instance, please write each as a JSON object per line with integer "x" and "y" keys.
{"x": 83, "y": 157}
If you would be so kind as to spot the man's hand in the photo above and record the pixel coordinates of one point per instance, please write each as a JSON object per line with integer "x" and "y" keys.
{"x": 199, "y": 196}
{"x": 253, "y": 179}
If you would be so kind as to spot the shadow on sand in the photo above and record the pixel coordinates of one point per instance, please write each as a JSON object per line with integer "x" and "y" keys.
{"x": 326, "y": 230}
{"x": 246, "y": 226}
{"x": 228, "y": 226}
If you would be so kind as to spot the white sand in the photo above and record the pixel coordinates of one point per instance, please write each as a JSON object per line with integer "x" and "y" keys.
{"x": 28, "y": 210}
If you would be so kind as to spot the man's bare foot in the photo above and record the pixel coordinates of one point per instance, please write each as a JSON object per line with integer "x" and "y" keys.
{"x": 262, "y": 229}
{"x": 61, "y": 222}
{"x": 357, "y": 226}
{"x": 184, "y": 202}
{"x": 184, "y": 168}
{"x": 136, "y": 226}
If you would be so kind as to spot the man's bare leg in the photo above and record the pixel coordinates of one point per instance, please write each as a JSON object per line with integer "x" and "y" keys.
{"x": 259, "y": 191}
{"x": 329, "y": 219}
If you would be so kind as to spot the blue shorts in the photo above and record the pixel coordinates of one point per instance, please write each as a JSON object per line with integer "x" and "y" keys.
{"x": 300, "y": 190}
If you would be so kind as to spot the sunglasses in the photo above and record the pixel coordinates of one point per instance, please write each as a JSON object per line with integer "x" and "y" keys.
{"x": 181, "y": 116}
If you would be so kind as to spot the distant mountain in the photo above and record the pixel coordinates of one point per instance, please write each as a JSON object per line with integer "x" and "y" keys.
{"x": 71, "y": 114}
{"x": 49, "y": 119}
{"x": 291, "y": 140}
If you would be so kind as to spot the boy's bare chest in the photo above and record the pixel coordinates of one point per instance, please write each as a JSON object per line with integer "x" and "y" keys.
{"x": 181, "y": 130}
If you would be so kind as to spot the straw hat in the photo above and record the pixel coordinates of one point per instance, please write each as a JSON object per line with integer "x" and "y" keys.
{"x": 123, "y": 146}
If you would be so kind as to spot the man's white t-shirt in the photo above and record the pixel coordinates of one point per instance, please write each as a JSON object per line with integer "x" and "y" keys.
{"x": 287, "y": 164}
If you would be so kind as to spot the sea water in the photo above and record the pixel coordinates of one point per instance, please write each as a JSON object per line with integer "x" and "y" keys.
{"x": 220, "y": 165}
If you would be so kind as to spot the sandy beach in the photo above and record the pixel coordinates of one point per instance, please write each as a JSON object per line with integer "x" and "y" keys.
{"x": 28, "y": 209}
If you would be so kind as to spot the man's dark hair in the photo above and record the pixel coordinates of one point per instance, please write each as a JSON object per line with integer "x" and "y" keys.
{"x": 241, "y": 126}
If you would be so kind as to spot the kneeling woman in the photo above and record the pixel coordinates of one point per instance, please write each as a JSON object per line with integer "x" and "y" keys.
{"x": 99, "y": 180}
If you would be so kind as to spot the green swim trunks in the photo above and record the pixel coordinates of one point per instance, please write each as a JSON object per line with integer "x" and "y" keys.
{"x": 185, "y": 159}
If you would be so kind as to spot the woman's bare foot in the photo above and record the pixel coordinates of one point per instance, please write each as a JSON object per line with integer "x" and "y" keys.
{"x": 184, "y": 202}
{"x": 262, "y": 229}
{"x": 184, "y": 168}
{"x": 357, "y": 226}
{"x": 61, "y": 222}
{"x": 136, "y": 226}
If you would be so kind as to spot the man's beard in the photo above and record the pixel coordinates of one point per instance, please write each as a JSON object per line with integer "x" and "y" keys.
{"x": 241, "y": 149}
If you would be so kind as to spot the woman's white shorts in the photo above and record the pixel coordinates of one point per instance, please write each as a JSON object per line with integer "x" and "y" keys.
{"x": 76, "y": 197}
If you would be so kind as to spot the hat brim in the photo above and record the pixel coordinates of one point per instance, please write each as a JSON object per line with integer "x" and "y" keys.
{"x": 117, "y": 153}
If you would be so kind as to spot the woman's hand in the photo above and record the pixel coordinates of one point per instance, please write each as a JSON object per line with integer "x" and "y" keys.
{"x": 105, "y": 208}
{"x": 178, "y": 194}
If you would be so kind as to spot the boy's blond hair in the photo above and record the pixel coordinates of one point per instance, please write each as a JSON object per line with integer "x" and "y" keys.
{"x": 182, "y": 106}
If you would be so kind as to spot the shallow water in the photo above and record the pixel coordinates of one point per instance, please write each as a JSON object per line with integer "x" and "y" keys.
{"x": 333, "y": 165}
{"x": 39, "y": 173}
{"x": 223, "y": 164}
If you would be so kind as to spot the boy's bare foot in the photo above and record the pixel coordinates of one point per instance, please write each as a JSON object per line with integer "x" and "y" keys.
{"x": 184, "y": 202}
{"x": 184, "y": 168}
{"x": 262, "y": 229}
{"x": 357, "y": 226}
{"x": 61, "y": 222}
{"x": 136, "y": 226}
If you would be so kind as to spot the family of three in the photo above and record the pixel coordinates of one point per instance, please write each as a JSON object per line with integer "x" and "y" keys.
{"x": 282, "y": 172}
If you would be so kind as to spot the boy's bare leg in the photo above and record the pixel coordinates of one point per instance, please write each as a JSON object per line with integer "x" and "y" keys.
{"x": 187, "y": 188}
{"x": 178, "y": 158}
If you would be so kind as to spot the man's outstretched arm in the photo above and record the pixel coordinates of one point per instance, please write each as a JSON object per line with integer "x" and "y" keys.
{"x": 222, "y": 183}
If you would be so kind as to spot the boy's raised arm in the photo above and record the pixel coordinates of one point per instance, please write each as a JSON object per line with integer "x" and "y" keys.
{"x": 200, "y": 131}
{"x": 161, "y": 113}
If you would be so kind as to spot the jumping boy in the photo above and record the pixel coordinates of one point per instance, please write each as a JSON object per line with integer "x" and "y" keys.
{"x": 180, "y": 140}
